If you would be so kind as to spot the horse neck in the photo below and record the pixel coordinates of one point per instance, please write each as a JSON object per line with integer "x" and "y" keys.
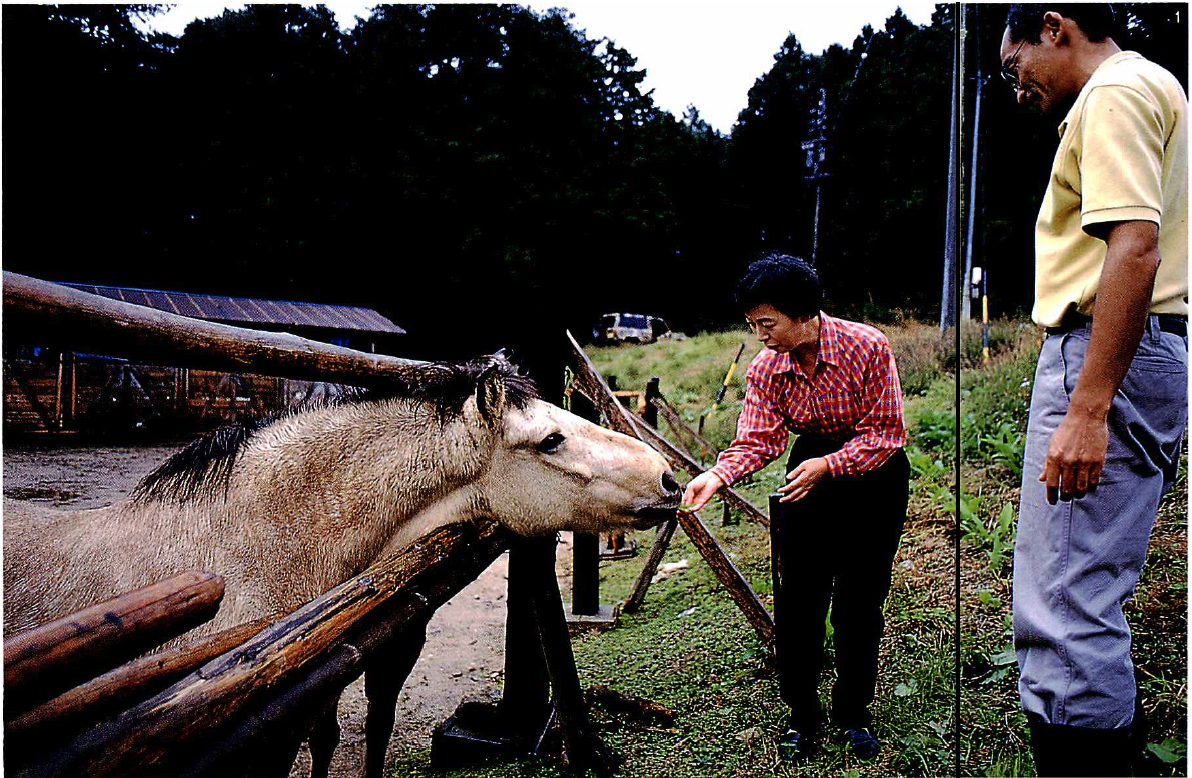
{"x": 349, "y": 480}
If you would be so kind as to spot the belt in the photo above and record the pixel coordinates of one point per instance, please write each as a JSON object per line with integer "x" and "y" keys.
{"x": 1168, "y": 322}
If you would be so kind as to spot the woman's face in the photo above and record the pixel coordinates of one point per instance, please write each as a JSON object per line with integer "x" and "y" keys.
{"x": 779, "y": 332}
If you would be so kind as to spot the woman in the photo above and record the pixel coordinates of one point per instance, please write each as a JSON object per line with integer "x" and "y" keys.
{"x": 835, "y": 384}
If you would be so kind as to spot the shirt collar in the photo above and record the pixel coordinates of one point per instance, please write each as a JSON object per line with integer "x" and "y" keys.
{"x": 829, "y": 347}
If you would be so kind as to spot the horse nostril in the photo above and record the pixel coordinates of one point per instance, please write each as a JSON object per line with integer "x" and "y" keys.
{"x": 669, "y": 484}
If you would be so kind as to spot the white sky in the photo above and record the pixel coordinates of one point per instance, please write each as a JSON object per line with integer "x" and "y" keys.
{"x": 702, "y": 52}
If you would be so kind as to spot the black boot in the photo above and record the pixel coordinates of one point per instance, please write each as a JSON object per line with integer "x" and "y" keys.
{"x": 1064, "y": 751}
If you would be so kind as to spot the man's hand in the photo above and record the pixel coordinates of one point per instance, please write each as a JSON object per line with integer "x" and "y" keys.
{"x": 1075, "y": 456}
{"x": 801, "y": 480}
{"x": 700, "y": 490}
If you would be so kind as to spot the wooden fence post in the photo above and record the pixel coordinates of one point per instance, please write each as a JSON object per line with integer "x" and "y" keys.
{"x": 585, "y": 609}
{"x": 585, "y": 574}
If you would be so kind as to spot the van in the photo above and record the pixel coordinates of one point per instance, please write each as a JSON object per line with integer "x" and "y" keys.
{"x": 630, "y": 328}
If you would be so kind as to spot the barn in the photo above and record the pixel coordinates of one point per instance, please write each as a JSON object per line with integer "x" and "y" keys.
{"x": 62, "y": 387}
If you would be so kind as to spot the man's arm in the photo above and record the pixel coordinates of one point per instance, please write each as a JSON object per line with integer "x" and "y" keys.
{"x": 1077, "y": 450}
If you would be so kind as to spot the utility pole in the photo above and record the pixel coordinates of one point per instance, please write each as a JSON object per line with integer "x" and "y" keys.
{"x": 816, "y": 149}
{"x": 966, "y": 304}
{"x": 948, "y": 297}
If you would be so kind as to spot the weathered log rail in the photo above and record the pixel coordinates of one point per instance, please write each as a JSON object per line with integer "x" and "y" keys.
{"x": 121, "y": 688}
{"x": 41, "y": 662}
{"x": 129, "y": 330}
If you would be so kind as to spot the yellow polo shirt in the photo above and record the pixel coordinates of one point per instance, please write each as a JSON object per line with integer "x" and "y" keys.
{"x": 1123, "y": 156}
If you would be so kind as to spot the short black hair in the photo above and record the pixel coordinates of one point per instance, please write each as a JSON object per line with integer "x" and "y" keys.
{"x": 788, "y": 283}
{"x": 1096, "y": 20}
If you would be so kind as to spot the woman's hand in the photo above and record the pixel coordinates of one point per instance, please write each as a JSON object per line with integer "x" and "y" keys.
{"x": 700, "y": 490}
{"x": 801, "y": 480}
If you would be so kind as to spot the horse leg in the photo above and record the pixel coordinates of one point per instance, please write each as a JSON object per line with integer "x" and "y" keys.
{"x": 324, "y": 737}
{"x": 383, "y": 680}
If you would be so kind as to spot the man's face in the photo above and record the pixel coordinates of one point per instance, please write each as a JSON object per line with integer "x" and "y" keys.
{"x": 1040, "y": 70}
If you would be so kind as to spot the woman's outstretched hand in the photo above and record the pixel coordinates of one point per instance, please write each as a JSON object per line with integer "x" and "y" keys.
{"x": 700, "y": 490}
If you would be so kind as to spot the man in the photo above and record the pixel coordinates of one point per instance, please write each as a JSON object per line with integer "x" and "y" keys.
{"x": 834, "y": 382}
{"x": 1110, "y": 397}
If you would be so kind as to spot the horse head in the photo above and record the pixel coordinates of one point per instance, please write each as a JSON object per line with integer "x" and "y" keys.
{"x": 552, "y": 470}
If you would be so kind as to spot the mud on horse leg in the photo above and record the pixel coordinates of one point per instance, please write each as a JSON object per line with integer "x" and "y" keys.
{"x": 383, "y": 680}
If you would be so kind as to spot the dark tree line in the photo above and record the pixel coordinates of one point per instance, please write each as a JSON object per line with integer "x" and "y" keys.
{"x": 471, "y": 170}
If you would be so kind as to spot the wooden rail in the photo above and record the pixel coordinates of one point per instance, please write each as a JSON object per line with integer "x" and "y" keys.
{"x": 42, "y": 662}
{"x": 131, "y": 330}
{"x": 123, "y": 687}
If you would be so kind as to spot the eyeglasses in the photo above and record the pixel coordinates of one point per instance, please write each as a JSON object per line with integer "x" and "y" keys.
{"x": 1009, "y": 71}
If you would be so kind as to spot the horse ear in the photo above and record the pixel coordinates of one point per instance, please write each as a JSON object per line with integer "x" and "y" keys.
{"x": 490, "y": 393}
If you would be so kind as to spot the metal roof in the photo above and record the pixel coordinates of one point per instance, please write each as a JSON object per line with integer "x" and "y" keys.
{"x": 245, "y": 310}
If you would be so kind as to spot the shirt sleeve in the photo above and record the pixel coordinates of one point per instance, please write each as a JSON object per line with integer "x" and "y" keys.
{"x": 881, "y": 431}
{"x": 1121, "y": 157}
{"x": 761, "y": 434}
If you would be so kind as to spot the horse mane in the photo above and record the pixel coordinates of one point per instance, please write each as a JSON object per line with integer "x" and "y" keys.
{"x": 205, "y": 465}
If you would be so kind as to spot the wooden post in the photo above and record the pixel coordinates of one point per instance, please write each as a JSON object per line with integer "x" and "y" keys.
{"x": 74, "y": 385}
{"x": 526, "y": 699}
{"x": 585, "y": 574}
{"x": 58, "y": 392}
{"x": 652, "y": 394}
{"x": 582, "y": 748}
{"x": 586, "y": 610}
{"x": 44, "y": 661}
{"x": 662, "y": 539}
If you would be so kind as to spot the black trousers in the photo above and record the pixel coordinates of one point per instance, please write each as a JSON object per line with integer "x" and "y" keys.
{"x": 835, "y": 546}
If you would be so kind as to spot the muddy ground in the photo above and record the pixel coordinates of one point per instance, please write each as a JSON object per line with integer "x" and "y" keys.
{"x": 464, "y": 655}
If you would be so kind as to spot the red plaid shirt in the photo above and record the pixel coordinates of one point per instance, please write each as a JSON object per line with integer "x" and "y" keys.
{"x": 853, "y": 393}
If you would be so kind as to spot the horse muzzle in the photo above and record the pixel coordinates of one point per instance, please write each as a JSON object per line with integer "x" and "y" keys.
{"x": 653, "y": 515}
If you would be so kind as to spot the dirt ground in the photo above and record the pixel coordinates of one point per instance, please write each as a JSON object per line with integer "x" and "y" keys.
{"x": 464, "y": 654}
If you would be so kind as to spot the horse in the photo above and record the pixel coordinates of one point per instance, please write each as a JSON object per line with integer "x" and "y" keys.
{"x": 286, "y": 508}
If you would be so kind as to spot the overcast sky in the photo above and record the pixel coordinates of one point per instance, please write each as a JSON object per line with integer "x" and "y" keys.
{"x": 702, "y": 52}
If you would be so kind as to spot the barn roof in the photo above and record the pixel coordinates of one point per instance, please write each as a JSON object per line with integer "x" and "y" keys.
{"x": 247, "y": 310}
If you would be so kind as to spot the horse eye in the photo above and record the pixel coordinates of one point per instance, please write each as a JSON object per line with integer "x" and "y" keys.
{"x": 550, "y": 444}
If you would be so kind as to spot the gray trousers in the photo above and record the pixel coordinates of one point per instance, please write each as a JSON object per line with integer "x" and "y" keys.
{"x": 1076, "y": 563}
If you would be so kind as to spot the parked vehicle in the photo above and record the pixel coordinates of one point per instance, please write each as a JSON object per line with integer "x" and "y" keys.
{"x": 631, "y": 328}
